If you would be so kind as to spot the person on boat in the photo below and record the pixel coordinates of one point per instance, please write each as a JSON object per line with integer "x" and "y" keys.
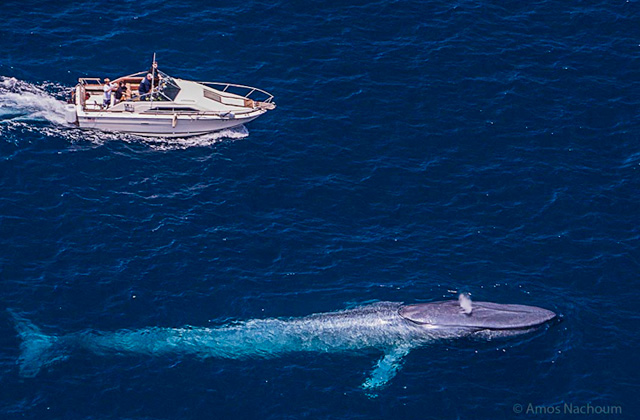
{"x": 145, "y": 87}
{"x": 127, "y": 93}
{"x": 155, "y": 74}
{"x": 154, "y": 69}
{"x": 108, "y": 88}
{"x": 121, "y": 92}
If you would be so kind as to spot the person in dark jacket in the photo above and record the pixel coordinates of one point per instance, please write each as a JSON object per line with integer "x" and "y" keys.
{"x": 145, "y": 87}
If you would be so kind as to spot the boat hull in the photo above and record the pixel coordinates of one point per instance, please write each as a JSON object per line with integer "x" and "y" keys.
{"x": 161, "y": 126}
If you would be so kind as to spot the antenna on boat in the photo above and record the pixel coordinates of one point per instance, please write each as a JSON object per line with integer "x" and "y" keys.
{"x": 153, "y": 76}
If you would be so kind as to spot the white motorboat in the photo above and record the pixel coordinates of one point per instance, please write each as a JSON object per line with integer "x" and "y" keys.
{"x": 174, "y": 107}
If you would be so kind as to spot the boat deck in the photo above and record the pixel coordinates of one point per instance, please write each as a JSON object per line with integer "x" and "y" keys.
{"x": 192, "y": 97}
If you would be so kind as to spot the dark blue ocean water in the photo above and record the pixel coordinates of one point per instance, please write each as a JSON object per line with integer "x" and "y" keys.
{"x": 419, "y": 149}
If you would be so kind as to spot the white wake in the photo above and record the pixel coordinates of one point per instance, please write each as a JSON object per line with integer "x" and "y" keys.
{"x": 22, "y": 101}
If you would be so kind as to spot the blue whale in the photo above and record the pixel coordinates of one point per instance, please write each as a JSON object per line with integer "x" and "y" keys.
{"x": 390, "y": 327}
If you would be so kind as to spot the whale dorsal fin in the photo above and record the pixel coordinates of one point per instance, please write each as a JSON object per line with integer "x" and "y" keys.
{"x": 385, "y": 369}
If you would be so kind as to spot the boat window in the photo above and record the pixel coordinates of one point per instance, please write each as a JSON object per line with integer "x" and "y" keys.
{"x": 169, "y": 88}
{"x": 211, "y": 95}
{"x": 173, "y": 109}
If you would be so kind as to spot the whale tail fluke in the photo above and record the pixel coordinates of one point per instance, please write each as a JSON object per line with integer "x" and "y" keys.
{"x": 37, "y": 349}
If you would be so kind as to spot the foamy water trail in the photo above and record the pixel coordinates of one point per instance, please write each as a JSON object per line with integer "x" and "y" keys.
{"x": 22, "y": 101}
{"x": 22, "y": 104}
{"x": 235, "y": 133}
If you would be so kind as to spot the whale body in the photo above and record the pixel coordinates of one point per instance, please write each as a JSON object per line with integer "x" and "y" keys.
{"x": 390, "y": 327}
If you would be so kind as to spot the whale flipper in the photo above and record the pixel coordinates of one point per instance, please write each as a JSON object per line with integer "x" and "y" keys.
{"x": 386, "y": 368}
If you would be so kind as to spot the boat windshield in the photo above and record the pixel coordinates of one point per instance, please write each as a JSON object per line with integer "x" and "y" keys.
{"x": 168, "y": 87}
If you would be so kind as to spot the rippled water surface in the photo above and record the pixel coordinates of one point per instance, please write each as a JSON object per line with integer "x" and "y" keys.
{"x": 419, "y": 150}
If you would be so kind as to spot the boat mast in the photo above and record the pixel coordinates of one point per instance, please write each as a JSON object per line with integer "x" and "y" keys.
{"x": 153, "y": 76}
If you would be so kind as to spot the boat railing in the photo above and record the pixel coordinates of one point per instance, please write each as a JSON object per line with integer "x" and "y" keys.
{"x": 90, "y": 81}
{"x": 155, "y": 95}
{"x": 233, "y": 90}
{"x": 248, "y": 92}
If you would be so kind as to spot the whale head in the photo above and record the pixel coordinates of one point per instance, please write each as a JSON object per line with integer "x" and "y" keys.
{"x": 463, "y": 317}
